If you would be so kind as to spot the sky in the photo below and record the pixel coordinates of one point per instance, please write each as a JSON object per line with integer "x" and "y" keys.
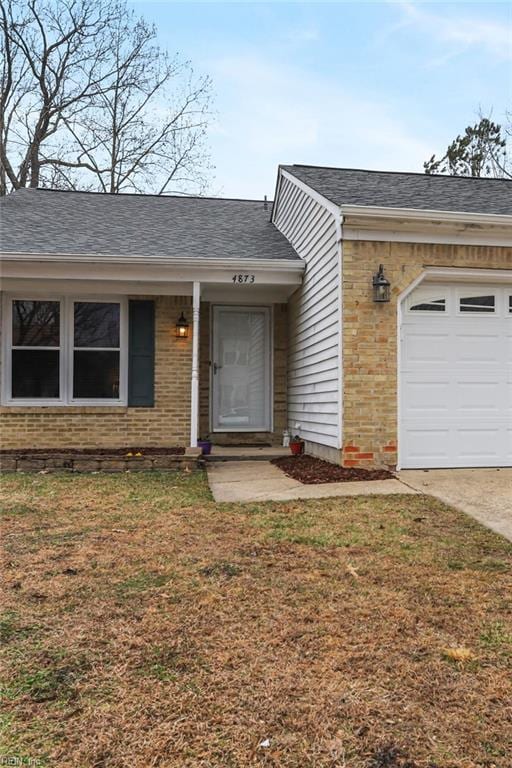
{"x": 378, "y": 85}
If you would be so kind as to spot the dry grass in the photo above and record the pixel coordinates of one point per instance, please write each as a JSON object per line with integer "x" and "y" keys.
{"x": 144, "y": 625}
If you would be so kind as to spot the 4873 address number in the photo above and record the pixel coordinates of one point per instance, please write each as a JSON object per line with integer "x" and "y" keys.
{"x": 243, "y": 279}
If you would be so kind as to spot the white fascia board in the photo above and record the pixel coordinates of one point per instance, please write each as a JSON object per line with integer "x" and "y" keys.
{"x": 467, "y": 275}
{"x": 429, "y": 235}
{"x": 416, "y": 226}
{"x": 265, "y": 272}
{"x": 416, "y": 214}
{"x": 242, "y": 265}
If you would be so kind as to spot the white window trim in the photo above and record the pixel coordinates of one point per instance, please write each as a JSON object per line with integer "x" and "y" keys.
{"x": 66, "y": 351}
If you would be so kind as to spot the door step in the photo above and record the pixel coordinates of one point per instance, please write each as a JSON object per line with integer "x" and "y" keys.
{"x": 246, "y": 453}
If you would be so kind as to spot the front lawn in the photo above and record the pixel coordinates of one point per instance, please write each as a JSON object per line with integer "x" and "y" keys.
{"x": 144, "y": 625}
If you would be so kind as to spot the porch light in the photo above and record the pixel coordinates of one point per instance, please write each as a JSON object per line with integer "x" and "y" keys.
{"x": 182, "y": 327}
{"x": 381, "y": 286}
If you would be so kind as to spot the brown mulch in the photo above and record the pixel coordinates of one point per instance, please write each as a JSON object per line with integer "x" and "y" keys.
{"x": 310, "y": 471}
{"x": 151, "y": 451}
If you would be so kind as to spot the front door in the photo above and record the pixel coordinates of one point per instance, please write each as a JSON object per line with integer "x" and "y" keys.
{"x": 241, "y": 380}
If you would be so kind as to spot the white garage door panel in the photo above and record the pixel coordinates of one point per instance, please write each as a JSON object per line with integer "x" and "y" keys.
{"x": 425, "y": 447}
{"x": 453, "y": 395}
{"x": 456, "y": 380}
{"x": 422, "y": 396}
{"x": 479, "y": 397}
{"x": 427, "y": 348}
{"x": 477, "y": 347}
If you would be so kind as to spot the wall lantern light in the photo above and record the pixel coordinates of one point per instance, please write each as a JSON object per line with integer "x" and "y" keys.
{"x": 381, "y": 286}
{"x": 182, "y": 327}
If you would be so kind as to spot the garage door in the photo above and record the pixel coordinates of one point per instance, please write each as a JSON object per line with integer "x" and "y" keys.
{"x": 456, "y": 377}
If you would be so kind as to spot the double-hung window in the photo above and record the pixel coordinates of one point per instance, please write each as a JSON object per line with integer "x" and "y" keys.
{"x": 65, "y": 351}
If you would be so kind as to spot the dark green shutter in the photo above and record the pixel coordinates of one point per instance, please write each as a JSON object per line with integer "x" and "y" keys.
{"x": 141, "y": 354}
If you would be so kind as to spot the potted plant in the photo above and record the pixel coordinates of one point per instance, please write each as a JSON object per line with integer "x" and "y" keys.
{"x": 205, "y": 446}
{"x": 296, "y": 446}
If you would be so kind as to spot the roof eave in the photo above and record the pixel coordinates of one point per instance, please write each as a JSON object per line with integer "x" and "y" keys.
{"x": 292, "y": 265}
{"x": 426, "y": 215}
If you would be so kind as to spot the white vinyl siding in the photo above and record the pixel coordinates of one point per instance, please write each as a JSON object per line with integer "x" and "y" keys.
{"x": 314, "y": 318}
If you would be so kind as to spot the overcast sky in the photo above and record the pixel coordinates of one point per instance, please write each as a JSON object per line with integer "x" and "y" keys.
{"x": 365, "y": 85}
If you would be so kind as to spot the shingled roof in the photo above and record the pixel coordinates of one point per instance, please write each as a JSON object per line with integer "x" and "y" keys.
{"x": 87, "y": 223}
{"x": 346, "y": 186}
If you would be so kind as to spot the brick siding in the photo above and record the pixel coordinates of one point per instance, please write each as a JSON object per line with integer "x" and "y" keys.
{"x": 167, "y": 424}
{"x": 370, "y": 337}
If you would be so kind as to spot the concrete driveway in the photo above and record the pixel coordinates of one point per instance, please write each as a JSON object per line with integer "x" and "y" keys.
{"x": 485, "y": 494}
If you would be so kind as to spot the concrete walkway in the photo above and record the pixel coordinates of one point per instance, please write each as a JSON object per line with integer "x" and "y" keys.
{"x": 243, "y": 481}
{"x": 485, "y": 494}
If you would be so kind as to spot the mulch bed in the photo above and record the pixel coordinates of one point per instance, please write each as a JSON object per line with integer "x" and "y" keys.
{"x": 165, "y": 451}
{"x": 310, "y": 471}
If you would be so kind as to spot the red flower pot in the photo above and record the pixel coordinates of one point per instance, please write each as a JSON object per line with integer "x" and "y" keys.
{"x": 297, "y": 448}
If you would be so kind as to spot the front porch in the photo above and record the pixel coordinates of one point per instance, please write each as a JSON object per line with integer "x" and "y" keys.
{"x": 189, "y": 392}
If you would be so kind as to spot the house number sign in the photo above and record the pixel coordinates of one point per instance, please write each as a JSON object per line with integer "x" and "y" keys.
{"x": 243, "y": 279}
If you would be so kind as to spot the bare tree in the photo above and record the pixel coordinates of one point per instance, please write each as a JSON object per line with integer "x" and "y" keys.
{"x": 89, "y": 101}
{"x": 480, "y": 151}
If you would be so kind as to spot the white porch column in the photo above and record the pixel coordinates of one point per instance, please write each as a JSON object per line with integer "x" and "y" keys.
{"x": 194, "y": 400}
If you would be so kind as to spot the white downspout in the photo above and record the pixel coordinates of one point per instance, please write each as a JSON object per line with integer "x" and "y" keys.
{"x": 194, "y": 400}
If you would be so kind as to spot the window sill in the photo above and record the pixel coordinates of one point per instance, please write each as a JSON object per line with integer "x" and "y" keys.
{"x": 62, "y": 409}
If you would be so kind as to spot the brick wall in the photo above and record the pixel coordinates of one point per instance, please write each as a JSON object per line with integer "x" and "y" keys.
{"x": 167, "y": 424}
{"x": 370, "y": 337}
{"x": 280, "y": 341}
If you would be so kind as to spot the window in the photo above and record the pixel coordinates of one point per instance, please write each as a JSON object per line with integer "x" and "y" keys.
{"x": 96, "y": 350}
{"x": 430, "y": 305}
{"x": 65, "y": 351}
{"x": 484, "y": 304}
{"x": 35, "y": 349}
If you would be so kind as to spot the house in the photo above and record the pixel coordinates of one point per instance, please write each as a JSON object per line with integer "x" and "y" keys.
{"x": 369, "y": 312}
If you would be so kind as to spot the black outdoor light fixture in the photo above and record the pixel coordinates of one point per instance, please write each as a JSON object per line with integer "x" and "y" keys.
{"x": 182, "y": 327}
{"x": 381, "y": 286}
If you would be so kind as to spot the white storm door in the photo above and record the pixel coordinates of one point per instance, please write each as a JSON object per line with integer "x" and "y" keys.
{"x": 241, "y": 369}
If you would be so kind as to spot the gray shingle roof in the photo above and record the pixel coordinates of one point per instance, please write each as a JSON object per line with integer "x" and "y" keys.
{"x": 83, "y": 223}
{"x": 344, "y": 186}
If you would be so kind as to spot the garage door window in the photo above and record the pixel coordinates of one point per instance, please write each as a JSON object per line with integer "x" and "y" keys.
{"x": 482, "y": 304}
{"x": 430, "y": 305}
